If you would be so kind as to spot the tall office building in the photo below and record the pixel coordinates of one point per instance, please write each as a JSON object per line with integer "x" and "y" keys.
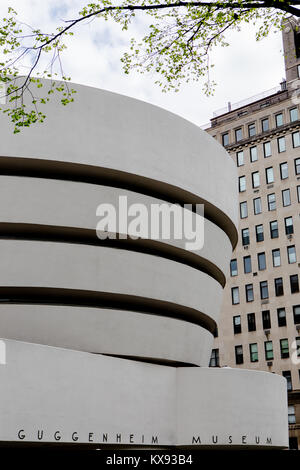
{"x": 260, "y": 320}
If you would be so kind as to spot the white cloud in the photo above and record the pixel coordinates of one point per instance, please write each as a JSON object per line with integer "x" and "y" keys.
{"x": 93, "y": 56}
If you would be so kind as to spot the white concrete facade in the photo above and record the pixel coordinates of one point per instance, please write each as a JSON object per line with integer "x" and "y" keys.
{"x": 69, "y": 300}
{"x": 86, "y": 398}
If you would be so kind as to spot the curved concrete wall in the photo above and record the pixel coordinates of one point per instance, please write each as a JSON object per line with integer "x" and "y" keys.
{"x": 108, "y": 331}
{"x": 73, "y": 204}
{"x": 88, "y": 398}
{"x": 52, "y": 179}
{"x": 115, "y": 272}
{"x": 111, "y": 131}
{"x": 249, "y": 408}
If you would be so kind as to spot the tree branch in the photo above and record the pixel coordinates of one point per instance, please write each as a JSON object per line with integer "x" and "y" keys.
{"x": 284, "y": 6}
{"x": 176, "y": 48}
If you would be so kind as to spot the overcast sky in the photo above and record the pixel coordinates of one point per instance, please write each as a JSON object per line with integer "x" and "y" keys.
{"x": 243, "y": 69}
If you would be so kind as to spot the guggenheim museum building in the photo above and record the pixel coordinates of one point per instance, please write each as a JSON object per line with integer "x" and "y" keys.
{"x": 106, "y": 341}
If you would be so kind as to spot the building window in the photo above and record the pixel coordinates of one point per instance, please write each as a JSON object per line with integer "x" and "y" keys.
{"x": 281, "y": 316}
{"x": 238, "y": 134}
{"x": 253, "y": 352}
{"x": 281, "y": 144}
{"x": 261, "y": 261}
{"x": 251, "y": 322}
{"x": 279, "y": 120}
{"x": 237, "y": 327}
{"x": 291, "y": 252}
{"x": 293, "y": 114}
{"x": 266, "y": 319}
{"x": 255, "y": 179}
{"x": 233, "y": 267}
{"x": 225, "y": 139}
{"x": 259, "y": 230}
{"x": 269, "y": 355}
{"x": 253, "y": 154}
{"x": 286, "y": 197}
{"x": 289, "y": 226}
{"x": 274, "y": 229}
{"x": 284, "y": 348}
{"x": 296, "y": 139}
{"x": 294, "y": 282}
{"x": 249, "y": 293}
{"x": 271, "y": 202}
{"x": 287, "y": 374}
{"x": 265, "y": 124}
{"x": 240, "y": 158}
{"x": 251, "y": 130}
{"x": 276, "y": 257}
{"x": 269, "y": 175}
{"x": 278, "y": 282}
{"x": 284, "y": 172}
{"x": 298, "y": 193}
{"x": 297, "y": 166}
{"x": 264, "y": 291}
{"x": 298, "y": 346}
{"x": 293, "y": 442}
{"x": 245, "y": 236}
{"x": 267, "y": 149}
{"x": 239, "y": 358}
{"x": 243, "y": 210}
{"x": 247, "y": 264}
{"x": 292, "y": 416}
{"x": 214, "y": 359}
{"x": 235, "y": 295}
{"x": 296, "y": 313}
{"x": 242, "y": 184}
{"x": 257, "y": 205}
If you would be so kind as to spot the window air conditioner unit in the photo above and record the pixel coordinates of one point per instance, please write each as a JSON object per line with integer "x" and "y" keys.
{"x": 298, "y": 328}
{"x": 269, "y": 364}
{"x": 290, "y": 236}
{"x": 246, "y": 247}
{"x": 267, "y": 332}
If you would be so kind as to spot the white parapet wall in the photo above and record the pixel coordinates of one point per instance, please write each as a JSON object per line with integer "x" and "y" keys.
{"x": 68, "y": 396}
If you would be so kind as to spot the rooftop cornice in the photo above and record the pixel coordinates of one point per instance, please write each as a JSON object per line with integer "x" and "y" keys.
{"x": 249, "y": 108}
{"x": 264, "y": 136}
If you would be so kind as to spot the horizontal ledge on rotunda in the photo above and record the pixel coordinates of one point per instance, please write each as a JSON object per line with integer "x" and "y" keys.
{"x": 53, "y": 169}
{"x": 98, "y": 299}
{"x": 24, "y": 231}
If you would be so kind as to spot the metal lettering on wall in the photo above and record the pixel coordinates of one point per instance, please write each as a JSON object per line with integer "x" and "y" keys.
{"x": 76, "y": 436}
{"x": 119, "y": 438}
{"x": 215, "y": 439}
